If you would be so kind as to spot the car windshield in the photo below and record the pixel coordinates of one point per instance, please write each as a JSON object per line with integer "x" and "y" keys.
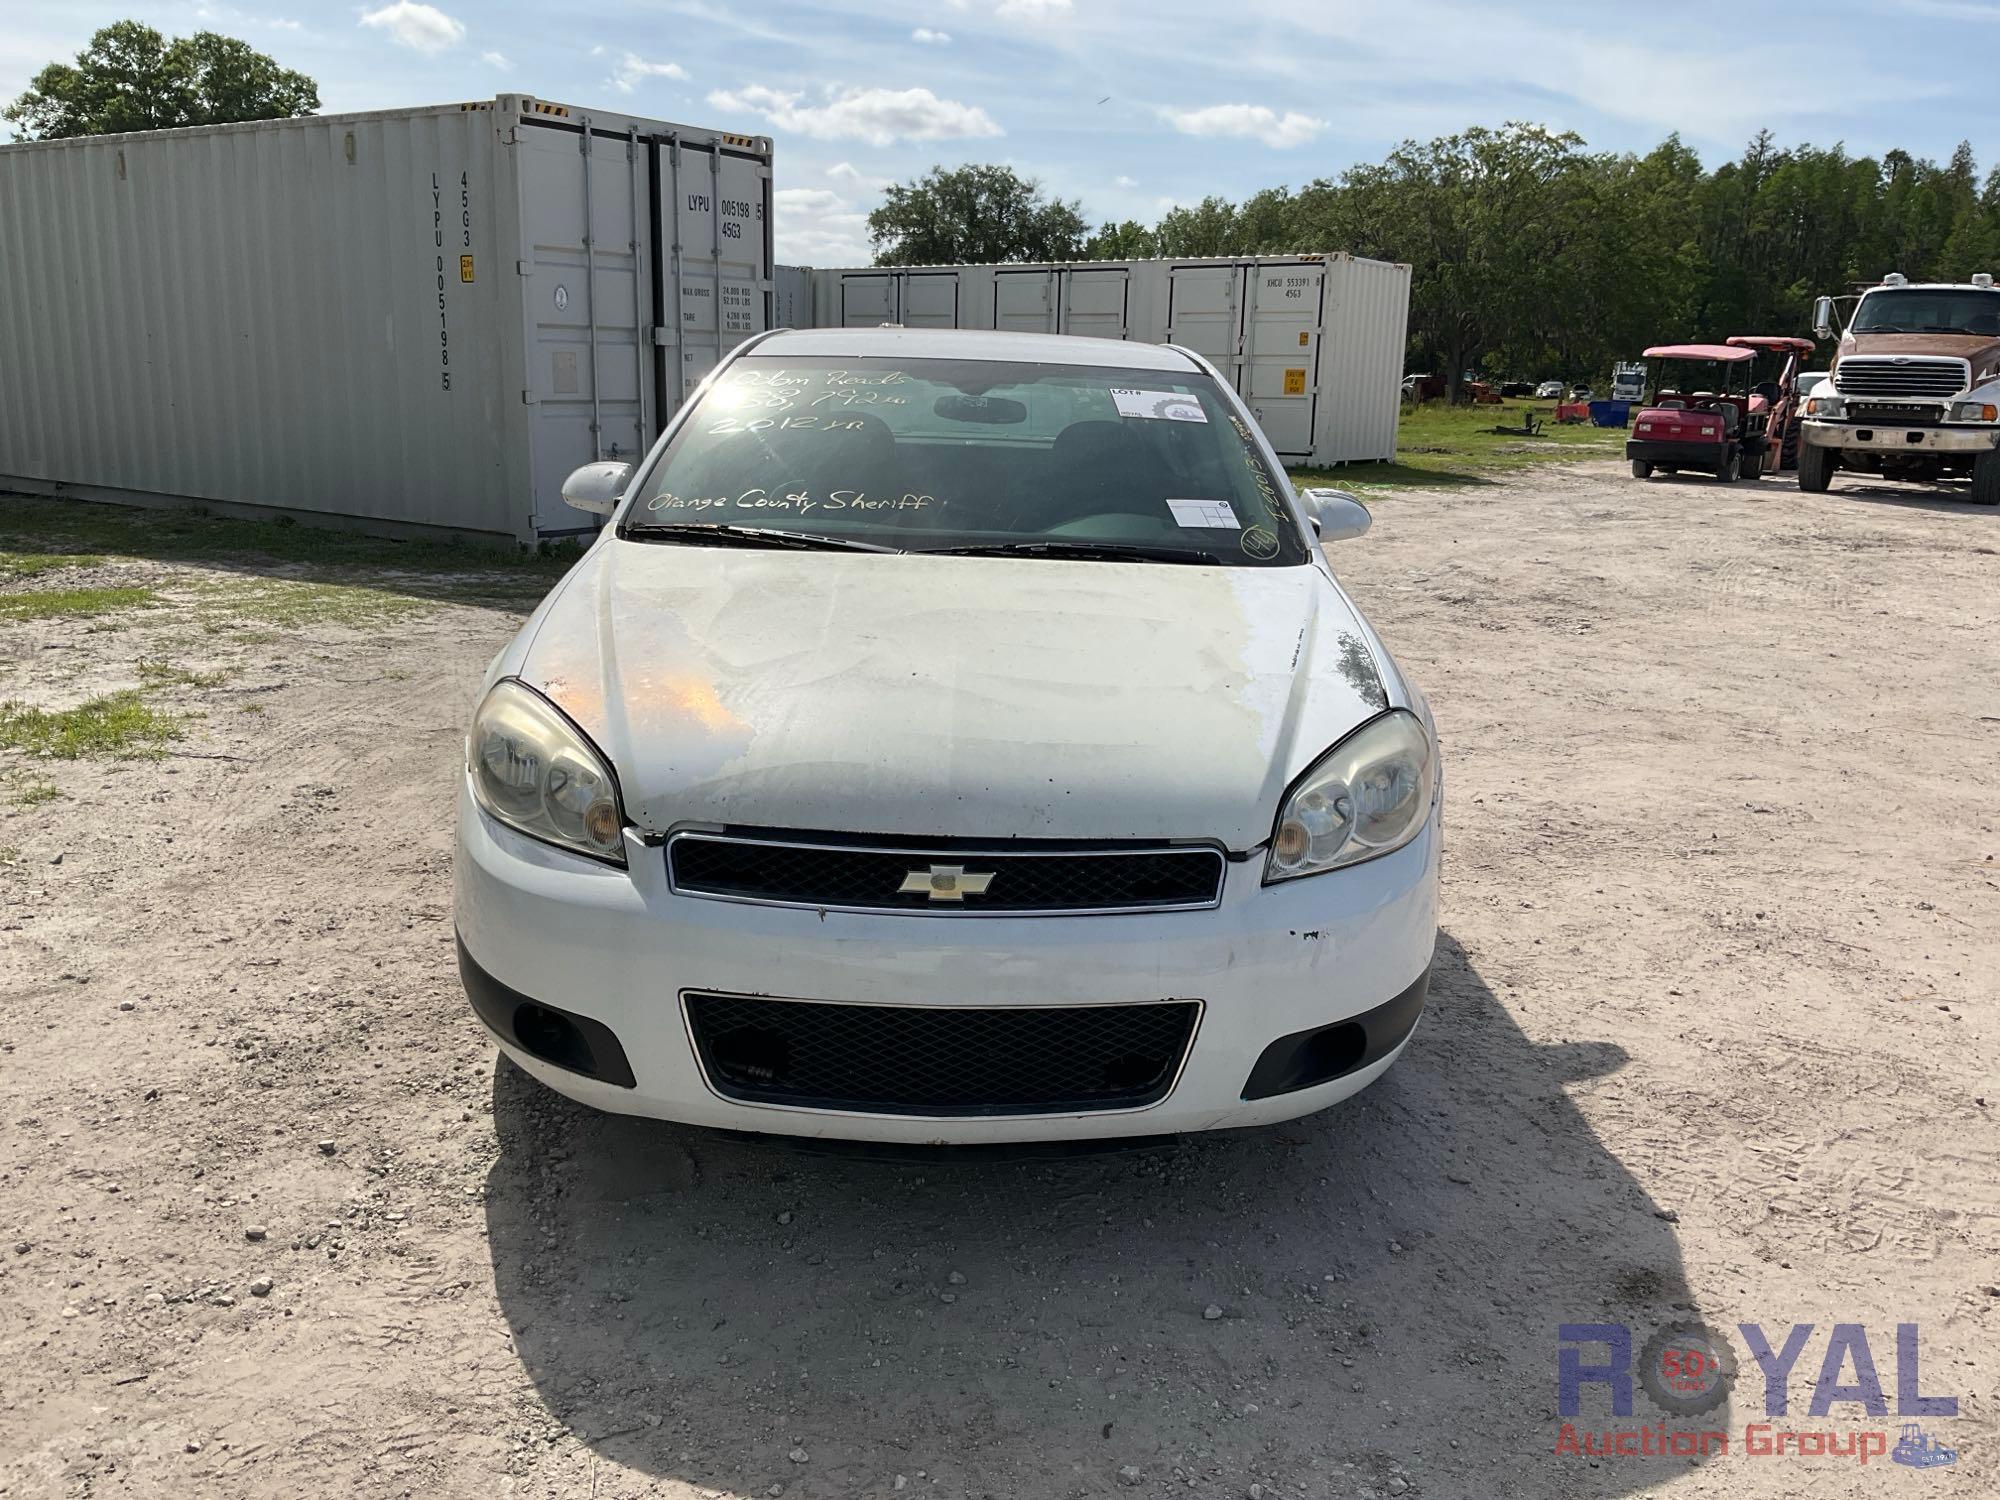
{"x": 1929, "y": 310}
{"x": 969, "y": 455}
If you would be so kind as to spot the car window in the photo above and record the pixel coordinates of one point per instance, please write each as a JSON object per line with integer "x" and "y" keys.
{"x": 935, "y": 453}
{"x": 1928, "y": 310}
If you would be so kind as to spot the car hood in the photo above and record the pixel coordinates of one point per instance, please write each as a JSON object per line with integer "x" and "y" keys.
{"x": 952, "y": 696}
{"x": 1981, "y": 351}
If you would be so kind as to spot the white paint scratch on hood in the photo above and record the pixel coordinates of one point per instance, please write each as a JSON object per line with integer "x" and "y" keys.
{"x": 971, "y": 697}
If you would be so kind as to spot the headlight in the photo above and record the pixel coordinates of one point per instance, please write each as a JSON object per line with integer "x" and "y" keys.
{"x": 1368, "y": 795}
{"x": 1825, "y": 406}
{"x": 536, "y": 772}
{"x": 1973, "y": 411}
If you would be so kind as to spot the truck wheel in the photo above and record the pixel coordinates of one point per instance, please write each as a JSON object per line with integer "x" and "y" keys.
{"x": 1788, "y": 452}
{"x": 1815, "y": 468}
{"x": 1986, "y": 479}
{"x": 1641, "y": 469}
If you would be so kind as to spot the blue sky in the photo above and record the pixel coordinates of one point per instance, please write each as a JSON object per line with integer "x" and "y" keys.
{"x": 1128, "y": 105}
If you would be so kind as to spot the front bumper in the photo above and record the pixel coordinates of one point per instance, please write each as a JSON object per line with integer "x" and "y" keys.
{"x": 1910, "y": 438}
{"x": 1697, "y": 455}
{"x": 618, "y": 950}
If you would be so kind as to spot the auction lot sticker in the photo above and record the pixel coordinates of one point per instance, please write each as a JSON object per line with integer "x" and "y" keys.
{"x": 1158, "y": 406}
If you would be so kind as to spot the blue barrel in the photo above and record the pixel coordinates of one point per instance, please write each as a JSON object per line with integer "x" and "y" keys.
{"x": 1610, "y": 413}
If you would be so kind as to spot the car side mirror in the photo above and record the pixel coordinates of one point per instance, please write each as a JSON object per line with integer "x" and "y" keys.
{"x": 1335, "y": 514}
{"x": 597, "y": 487}
{"x": 1823, "y": 317}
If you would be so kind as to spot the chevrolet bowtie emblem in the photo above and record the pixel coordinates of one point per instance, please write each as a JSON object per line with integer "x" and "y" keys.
{"x": 946, "y": 883}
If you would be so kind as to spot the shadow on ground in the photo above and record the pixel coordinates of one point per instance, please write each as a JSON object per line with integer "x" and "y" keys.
{"x": 1390, "y": 1275}
{"x": 438, "y": 569}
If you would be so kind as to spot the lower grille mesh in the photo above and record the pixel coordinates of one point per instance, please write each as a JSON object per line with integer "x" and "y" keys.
{"x": 913, "y": 1060}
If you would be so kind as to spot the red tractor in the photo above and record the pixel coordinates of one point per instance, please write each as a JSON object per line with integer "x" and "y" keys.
{"x": 1699, "y": 416}
{"x": 1774, "y": 379}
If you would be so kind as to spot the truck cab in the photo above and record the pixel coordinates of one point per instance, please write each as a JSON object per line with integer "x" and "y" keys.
{"x": 1914, "y": 392}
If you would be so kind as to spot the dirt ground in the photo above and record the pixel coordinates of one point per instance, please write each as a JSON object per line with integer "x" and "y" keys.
{"x": 1712, "y": 1037}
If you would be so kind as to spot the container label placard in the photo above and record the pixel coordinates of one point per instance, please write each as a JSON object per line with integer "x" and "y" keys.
{"x": 1295, "y": 382}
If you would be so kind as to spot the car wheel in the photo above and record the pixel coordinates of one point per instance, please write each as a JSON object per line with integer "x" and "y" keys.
{"x": 1986, "y": 479}
{"x": 1641, "y": 469}
{"x": 1815, "y": 469}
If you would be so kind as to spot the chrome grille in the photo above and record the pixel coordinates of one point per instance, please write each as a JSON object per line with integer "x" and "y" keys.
{"x": 936, "y": 877}
{"x": 1901, "y": 375}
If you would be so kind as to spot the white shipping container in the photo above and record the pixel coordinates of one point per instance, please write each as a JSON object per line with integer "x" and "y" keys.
{"x": 419, "y": 319}
{"x": 1313, "y": 342}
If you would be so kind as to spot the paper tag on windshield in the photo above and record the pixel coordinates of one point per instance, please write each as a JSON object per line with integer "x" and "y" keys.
{"x": 1218, "y": 514}
{"x": 1158, "y": 406}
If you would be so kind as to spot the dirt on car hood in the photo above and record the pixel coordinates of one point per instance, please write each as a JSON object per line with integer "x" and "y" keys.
{"x": 970, "y": 697}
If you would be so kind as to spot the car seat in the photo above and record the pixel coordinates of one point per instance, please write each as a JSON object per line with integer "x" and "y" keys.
{"x": 1097, "y": 468}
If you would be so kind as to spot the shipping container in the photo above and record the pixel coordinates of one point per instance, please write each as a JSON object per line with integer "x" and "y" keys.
{"x": 419, "y": 319}
{"x": 1313, "y": 342}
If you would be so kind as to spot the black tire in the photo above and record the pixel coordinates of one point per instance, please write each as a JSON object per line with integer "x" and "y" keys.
{"x": 1986, "y": 479}
{"x": 1816, "y": 466}
{"x": 1641, "y": 469}
{"x": 1788, "y": 451}
{"x": 1726, "y": 469}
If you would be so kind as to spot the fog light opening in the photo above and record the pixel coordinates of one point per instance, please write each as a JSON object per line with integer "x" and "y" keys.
{"x": 552, "y": 1036}
{"x": 753, "y": 1054}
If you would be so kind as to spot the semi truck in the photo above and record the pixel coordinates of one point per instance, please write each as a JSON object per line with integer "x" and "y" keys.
{"x": 1914, "y": 392}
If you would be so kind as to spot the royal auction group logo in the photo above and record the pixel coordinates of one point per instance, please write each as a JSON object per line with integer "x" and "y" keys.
{"x": 1689, "y": 1370}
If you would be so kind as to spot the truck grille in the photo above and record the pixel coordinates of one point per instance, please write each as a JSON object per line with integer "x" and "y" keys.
{"x": 955, "y": 1062}
{"x": 1901, "y": 375}
{"x": 942, "y": 880}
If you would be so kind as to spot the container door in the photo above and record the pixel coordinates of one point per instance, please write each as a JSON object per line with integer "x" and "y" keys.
{"x": 1284, "y": 313}
{"x": 1204, "y": 313}
{"x": 1095, "y": 302}
{"x": 1024, "y": 301}
{"x": 867, "y": 299}
{"x": 589, "y": 308}
{"x": 715, "y": 225}
{"x": 930, "y": 299}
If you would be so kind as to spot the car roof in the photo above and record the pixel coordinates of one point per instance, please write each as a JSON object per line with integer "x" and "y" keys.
{"x": 1772, "y": 341}
{"x": 971, "y": 343}
{"x": 1720, "y": 352}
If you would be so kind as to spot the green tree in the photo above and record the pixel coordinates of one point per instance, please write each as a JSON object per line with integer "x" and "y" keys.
{"x": 132, "y": 78}
{"x": 1208, "y": 228}
{"x": 973, "y": 215}
{"x": 1129, "y": 240}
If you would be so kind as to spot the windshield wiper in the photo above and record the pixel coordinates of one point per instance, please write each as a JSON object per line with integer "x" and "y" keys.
{"x": 1088, "y": 551}
{"x": 1881, "y": 328}
{"x": 721, "y": 534}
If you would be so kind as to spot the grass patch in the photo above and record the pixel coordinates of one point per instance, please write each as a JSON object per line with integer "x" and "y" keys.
{"x": 1444, "y": 447}
{"x": 287, "y": 604}
{"x": 52, "y": 604}
{"x": 168, "y": 674}
{"x": 251, "y": 708}
{"x": 34, "y": 564}
{"x": 32, "y": 793}
{"x": 116, "y": 724}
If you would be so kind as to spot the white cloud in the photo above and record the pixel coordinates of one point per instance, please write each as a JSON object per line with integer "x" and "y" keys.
{"x": 1121, "y": 180}
{"x": 1252, "y": 121}
{"x": 880, "y": 117}
{"x": 847, "y": 172}
{"x": 931, "y": 38}
{"x": 633, "y": 70}
{"x": 807, "y": 200}
{"x": 421, "y": 28}
{"x": 1033, "y": 10}
{"x": 497, "y": 60}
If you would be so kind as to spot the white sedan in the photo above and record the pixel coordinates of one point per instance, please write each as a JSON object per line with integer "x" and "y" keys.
{"x": 952, "y": 737}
